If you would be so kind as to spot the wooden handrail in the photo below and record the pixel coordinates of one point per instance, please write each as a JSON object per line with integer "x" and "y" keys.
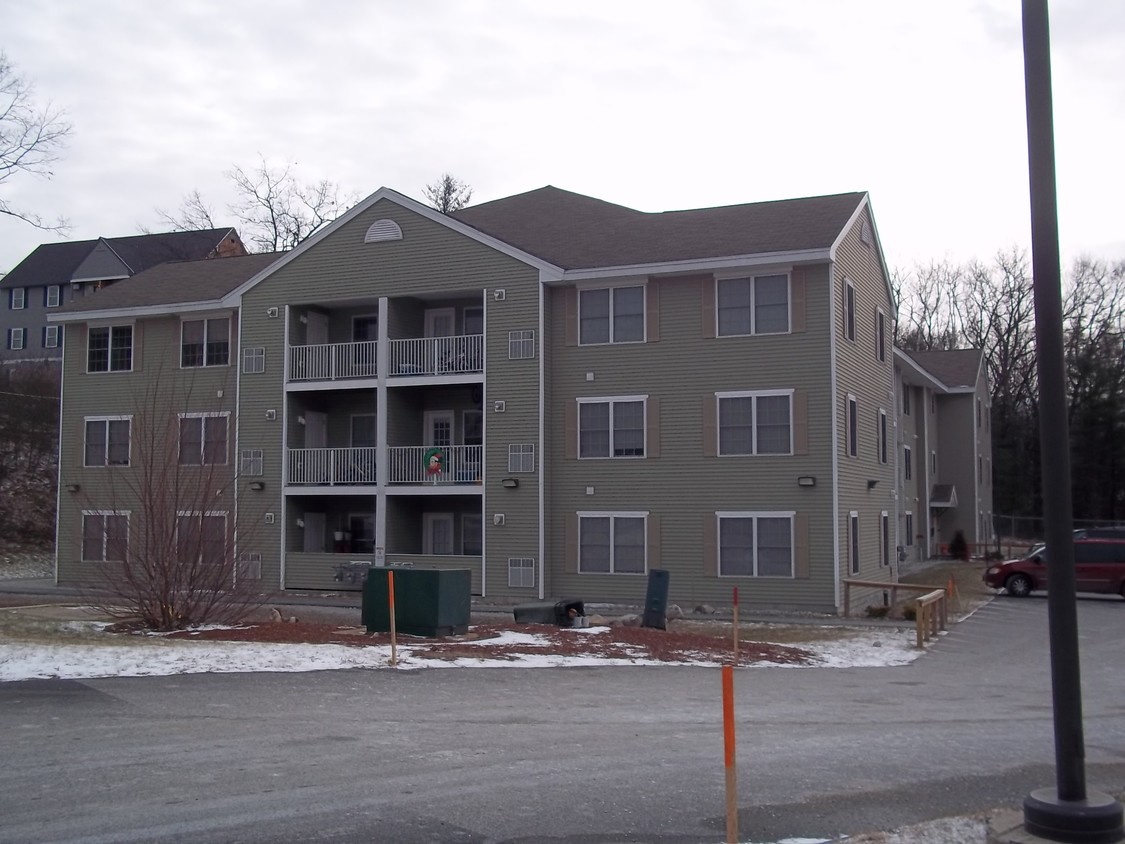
{"x": 879, "y": 584}
{"x": 930, "y": 613}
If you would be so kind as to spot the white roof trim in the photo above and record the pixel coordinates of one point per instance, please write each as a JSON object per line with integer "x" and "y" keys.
{"x": 865, "y": 205}
{"x": 697, "y": 264}
{"x": 87, "y": 280}
{"x": 142, "y": 311}
{"x": 406, "y": 202}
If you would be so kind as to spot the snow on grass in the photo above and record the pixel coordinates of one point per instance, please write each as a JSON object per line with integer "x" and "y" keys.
{"x": 156, "y": 656}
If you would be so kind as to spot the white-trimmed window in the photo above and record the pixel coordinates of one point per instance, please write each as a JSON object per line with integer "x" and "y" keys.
{"x": 17, "y": 338}
{"x": 201, "y": 537}
{"x": 906, "y": 399}
{"x": 611, "y": 315}
{"x": 933, "y": 463}
{"x": 17, "y": 298}
{"x": 109, "y": 349}
{"x": 472, "y": 535}
{"x": 205, "y": 342}
{"x": 853, "y": 542}
{"x": 884, "y": 539}
{"x": 882, "y": 435}
{"x": 51, "y": 336}
{"x": 52, "y": 296}
{"x": 105, "y": 535}
{"x": 203, "y": 438}
{"x": 755, "y": 544}
{"x": 521, "y": 344}
{"x": 759, "y": 422}
{"x": 521, "y": 457}
{"x": 254, "y": 360}
{"x": 907, "y": 463}
{"x": 611, "y": 427}
{"x": 612, "y": 543}
{"x": 249, "y": 566}
{"x": 908, "y": 518}
{"x": 754, "y": 305}
{"x": 880, "y": 335}
{"x": 521, "y": 572}
{"x": 849, "y": 310}
{"x": 107, "y": 441}
{"x": 853, "y": 426}
{"x": 251, "y": 462}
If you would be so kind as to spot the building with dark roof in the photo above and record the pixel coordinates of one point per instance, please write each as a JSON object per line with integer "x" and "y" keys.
{"x": 55, "y": 274}
{"x": 557, "y": 393}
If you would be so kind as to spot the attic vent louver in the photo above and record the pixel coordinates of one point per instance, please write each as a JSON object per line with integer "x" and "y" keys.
{"x": 383, "y": 230}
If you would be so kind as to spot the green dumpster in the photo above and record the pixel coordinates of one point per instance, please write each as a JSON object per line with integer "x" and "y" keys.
{"x": 428, "y": 602}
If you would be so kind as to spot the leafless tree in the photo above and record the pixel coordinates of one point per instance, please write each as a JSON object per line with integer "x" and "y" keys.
{"x": 29, "y": 431}
{"x": 927, "y": 318}
{"x": 31, "y": 140}
{"x": 163, "y": 530}
{"x": 274, "y": 209}
{"x": 448, "y": 194}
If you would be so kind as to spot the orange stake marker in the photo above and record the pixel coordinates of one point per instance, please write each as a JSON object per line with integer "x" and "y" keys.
{"x": 729, "y": 756}
{"x": 391, "y": 604}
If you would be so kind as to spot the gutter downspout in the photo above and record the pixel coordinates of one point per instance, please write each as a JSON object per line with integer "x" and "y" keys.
{"x": 835, "y": 433}
{"x": 542, "y": 446}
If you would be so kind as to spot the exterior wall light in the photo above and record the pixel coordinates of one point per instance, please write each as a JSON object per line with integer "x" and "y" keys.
{"x": 510, "y": 483}
{"x": 257, "y": 486}
{"x": 806, "y": 480}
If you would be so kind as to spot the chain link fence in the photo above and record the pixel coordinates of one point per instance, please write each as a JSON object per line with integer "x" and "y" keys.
{"x": 1016, "y": 534}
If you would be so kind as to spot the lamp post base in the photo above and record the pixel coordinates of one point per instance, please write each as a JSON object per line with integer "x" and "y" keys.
{"x": 1095, "y": 820}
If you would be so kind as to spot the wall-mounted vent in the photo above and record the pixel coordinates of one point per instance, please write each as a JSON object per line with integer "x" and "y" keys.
{"x": 498, "y": 519}
{"x": 383, "y": 230}
{"x": 249, "y": 566}
{"x": 271, "y": 313}
{"x": 500, "y": 294}
{"x": 499, "y": 406}
{"x": 269, "y": 518}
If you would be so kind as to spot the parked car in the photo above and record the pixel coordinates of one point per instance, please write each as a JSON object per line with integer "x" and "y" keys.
{"x": 1099, "y": 566}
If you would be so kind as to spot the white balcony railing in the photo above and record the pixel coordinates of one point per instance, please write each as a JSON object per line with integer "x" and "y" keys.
{"x": 331, "y": 466}
{"x": 437, "y": 355}
{"x": 420, "y": 464}
{"x": 332, "y": 361}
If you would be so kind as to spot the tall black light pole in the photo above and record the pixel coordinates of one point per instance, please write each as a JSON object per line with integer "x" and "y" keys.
{"x": 1067, "y": 812}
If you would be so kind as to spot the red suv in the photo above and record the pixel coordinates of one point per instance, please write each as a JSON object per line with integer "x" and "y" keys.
{"x": 1099, "y": 566}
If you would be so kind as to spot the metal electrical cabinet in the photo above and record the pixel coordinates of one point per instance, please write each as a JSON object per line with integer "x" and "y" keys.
{"x": 428, "y": 602}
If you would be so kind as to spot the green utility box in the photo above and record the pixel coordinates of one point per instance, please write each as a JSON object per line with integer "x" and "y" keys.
{"x": 428, "y": 602}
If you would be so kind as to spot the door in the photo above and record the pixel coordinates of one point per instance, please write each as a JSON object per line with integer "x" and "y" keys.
{"x": 438, "y": 536}
{"x": 440, "y": 322}
{"x": 314, "y": 532}
{"x": 439, "y": 428}
{"x": 316, "y": 429}
{"x": 316, "y": 330}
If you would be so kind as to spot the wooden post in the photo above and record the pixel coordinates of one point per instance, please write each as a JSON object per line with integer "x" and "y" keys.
{"x": 729, "y": 754}
{"x": 391, "y": 603}
{"x": 736, "y": 625}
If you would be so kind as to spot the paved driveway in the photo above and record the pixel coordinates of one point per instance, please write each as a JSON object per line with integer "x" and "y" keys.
{"x": 566, "y": 755}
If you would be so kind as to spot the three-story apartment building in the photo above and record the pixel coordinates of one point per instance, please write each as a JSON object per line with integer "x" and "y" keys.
{"x": 558, "y": 393}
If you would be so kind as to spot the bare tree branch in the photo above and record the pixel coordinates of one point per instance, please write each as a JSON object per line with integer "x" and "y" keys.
{"x": 448, "y": 194}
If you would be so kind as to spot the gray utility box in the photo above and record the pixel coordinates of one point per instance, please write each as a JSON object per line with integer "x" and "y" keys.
{"x": 428, "y": 602}
{"x": 551, "y": 612}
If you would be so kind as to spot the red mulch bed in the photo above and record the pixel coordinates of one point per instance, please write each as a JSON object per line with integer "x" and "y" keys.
{"x": 680, "y": 643}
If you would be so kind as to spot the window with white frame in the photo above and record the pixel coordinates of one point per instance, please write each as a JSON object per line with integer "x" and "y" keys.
{"x": 254, "y": 360}
{"x": 611, "y": 427}
{"x": 884, "y": 539}
{"x": 754, "y": 305}
{"x": 882, "y": 435}
{"x": 611, "y": 315}
{"x": 907, "y": 463}
{"x": 16, "y": 338}
{"x": 521, "y": 344}
{"x": 472, "y": 535}
{"x": 249, "y": 566}
{"x": 51, "y": 336}
{"x": 933, "y": 463}
{"x": 251, "y": 462}
{"x": 853, "y": 426}
{"x": 906, "y": 399}
{"x": 109, "y": 349}
{"x": 17, "y": 298}
{"x": 880, "y": 335}
{"x": 205, "y": 342}
{"x": 978, "y": 412}
{"x": 203, "y": 438}
{"x": 201, "y": 538}
{"x": 908, "y": 518}
{"x": 107, "y": 441}
{"x": 521, "y": 457}
{"x": 853, "y": 542}
{"x": 52, "y": 296}
{"x": 611, "y": 543}
{"x": 521, "y": 572}
{"x": 755, "y": 544}
{"x": 105, "y": 536}
{"x": 849, "y": 310}
{"x": 755, "y": 422}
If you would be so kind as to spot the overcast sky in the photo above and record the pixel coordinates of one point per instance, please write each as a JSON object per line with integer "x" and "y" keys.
{"x": 654, "y": 105}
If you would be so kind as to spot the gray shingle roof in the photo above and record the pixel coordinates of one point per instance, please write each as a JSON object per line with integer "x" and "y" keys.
{"x": 176, "y": 283}
{"x": 55, "y": 263}
{"x": 574, "y": 231}
{"x": 952, "y": 367}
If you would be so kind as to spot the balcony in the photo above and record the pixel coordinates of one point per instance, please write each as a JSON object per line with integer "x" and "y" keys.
{"x": 456, "y": 355}
{"x": 421, "y": 465}
{"x": 332, "y": 361}
{"x": 331, "y": 467}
